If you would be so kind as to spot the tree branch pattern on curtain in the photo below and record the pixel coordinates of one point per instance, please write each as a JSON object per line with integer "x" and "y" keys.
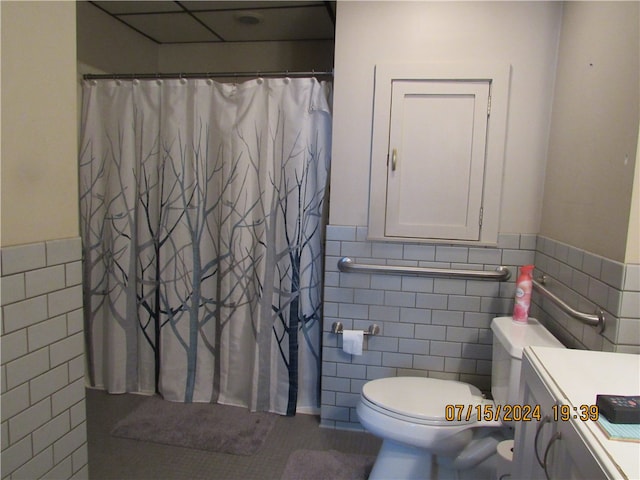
{"x": 202, "y": 218}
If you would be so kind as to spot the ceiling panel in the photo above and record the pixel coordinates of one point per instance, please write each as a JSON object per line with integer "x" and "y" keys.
{"x": 118, "y": 7}
{"x": 274, "y": 24}
{"x": 171, "y": 27}
{"x": 230, "y": 5}
{"x": 216, "y": 21}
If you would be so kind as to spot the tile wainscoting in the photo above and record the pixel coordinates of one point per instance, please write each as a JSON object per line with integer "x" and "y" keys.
{"x": 428, "y": 326}
{"x": 440, "y": 328}
{"x": 43, "y": 397}
{"x": 588, "y": 282}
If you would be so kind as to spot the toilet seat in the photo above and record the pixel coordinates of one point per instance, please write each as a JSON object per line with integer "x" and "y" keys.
{"x": 422, "y": 400}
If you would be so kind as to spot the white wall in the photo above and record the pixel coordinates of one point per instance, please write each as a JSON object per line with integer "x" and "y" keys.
{"x": 523, "y": 34}
{"x": 632, "y": 254}
{"x": 42, "y": 365}
{"x": 249, "y": 56}
{"x": 39, "y": 139}
{"x": 594, "y": 128}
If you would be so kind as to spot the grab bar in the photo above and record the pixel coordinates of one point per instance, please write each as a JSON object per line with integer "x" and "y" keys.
{"x": 346, "y": 264}
{"x": 595, "y": 320}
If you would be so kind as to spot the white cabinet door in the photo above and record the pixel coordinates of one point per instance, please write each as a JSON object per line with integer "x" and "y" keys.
{"x": 532, "y": 438}
{"x": 437, "y": 152}
{"x": 550, "y": 449}
{"x": 574, "y": 459}
{"x": 436, "y": 157}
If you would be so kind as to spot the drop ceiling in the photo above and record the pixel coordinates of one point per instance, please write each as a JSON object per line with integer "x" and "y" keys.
{"x": 168, "y": 22}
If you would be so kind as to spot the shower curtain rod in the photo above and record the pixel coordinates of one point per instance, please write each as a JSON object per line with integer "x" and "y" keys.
{"x": 158, "y": 76}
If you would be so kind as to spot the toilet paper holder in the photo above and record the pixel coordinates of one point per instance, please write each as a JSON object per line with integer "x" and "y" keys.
{"x": 337, "y": 328}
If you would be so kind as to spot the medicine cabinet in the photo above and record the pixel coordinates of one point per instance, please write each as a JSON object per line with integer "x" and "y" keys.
{"x": 437, "y": 152}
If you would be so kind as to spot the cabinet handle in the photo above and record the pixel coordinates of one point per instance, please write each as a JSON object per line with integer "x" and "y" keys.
{"x": 394, "y": 159}
{"x": 545, "y": 419}
{"x": 556, "y": 436}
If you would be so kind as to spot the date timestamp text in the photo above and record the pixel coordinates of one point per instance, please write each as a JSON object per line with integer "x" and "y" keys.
{"x": 518, "y": 413}
{"x": 492, "y": 413}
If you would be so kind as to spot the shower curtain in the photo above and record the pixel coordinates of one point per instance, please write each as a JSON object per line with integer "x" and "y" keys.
{"x": 202, "y": 210}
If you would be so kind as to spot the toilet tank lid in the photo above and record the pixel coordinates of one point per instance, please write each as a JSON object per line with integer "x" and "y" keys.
{"x": 514, "y": 336}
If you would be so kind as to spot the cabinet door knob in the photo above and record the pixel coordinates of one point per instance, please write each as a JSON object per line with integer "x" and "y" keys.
{"x": 394, "y": 159}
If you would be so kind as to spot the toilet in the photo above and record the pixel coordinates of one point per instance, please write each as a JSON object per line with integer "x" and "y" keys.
{"x": 430, "y": 426}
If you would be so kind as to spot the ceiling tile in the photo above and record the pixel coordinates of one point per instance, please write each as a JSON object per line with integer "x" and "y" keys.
{"x": 168, "y": 22}
{"x": 117, "y": 7}
{"x": 276, "y": 24}
{"x": 236, "y": 5}
{"x": 170, "y": 27}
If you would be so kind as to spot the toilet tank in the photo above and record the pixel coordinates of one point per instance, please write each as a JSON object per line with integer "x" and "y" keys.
{"x": 509, "y": 339}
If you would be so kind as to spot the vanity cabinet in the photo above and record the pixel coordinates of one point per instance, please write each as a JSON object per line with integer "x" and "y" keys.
{"x": 573, "y": 448}
{"x": 437, "y": 152}
{"x": 532, "y": 436}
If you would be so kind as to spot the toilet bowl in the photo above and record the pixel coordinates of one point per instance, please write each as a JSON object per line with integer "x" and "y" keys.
{"x": 414, "y": 410}
{"x": 427, "y": 423}
{"x": 414, "y": 417}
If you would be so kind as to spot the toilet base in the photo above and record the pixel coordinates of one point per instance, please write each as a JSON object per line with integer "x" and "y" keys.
{"x": 400, "y": 461}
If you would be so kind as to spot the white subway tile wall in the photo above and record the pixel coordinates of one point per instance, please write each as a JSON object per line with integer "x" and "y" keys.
{"x": 440, "y": 328}
{"x": 588, "y": 282}
{"x": 42, "y": 365}
{"x": 428, "y": 326}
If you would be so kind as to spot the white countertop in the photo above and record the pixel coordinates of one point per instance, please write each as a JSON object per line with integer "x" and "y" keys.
{"x": 576, "y": 376}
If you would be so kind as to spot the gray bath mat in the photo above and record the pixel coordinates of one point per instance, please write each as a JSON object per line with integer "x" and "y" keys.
{"x": 203, "y": 426}
{"x": 327, "y": 465}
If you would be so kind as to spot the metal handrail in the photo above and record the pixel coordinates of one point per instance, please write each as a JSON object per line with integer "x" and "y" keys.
{"x": 346, "y": 264}
{"x": 595, "y": 320}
